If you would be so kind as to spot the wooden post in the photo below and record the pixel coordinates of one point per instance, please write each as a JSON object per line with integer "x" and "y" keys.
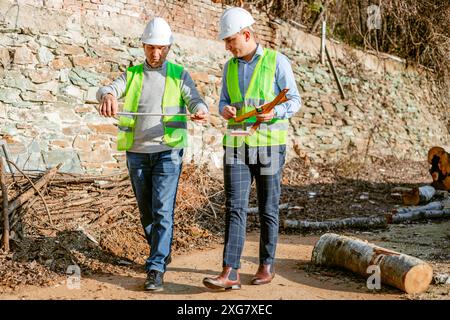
{"x": 5, "y": 238}
{"x": 4, "y": 146}
{"x": 322, "y": 42}
{"x": 376, "y": 40}
{"x": 405, "y": 272}
{"x": 341, "y": 90}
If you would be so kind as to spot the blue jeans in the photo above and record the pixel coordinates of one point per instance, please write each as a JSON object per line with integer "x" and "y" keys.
{"x": 242, "y": 166}
{"x": 154, "y": 178}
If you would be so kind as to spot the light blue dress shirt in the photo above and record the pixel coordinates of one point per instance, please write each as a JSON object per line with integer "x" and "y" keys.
{"x": 284, "y": 78}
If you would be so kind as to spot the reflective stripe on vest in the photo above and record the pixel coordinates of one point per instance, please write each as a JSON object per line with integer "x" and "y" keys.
{"x": 259, "y": 92}
{"x": 175, "y": 127}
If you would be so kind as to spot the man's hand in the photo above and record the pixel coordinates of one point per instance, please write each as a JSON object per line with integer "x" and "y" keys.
{"x": 265, "y": 117}
{"x": 109, "y": 106}
{"x": 229, "y": 112}
{"x": 200, "y": 117}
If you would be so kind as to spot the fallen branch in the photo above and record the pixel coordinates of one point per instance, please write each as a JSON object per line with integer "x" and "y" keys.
{"x": 101, "y": 220}
{"x": 436, "y": 209}
{"x": 37, "y": 190}
{"x": 24, "y": 197}
{"x": 78, "y": 203}
{"x": 82, "y": 178}
{"x": 405, "y": 272}
{"x": 112, "y": 185}
{"x": 435, "y": 205}
{"x": 420, "y": 214}
{"x": 26, "y": 208}
{"x": 359, "y": 223}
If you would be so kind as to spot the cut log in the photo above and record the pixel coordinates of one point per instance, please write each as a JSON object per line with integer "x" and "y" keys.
{"x": 418, "y": 195}
{"x": 5, "y": 237}
{"x": 24, "y": 197}
{"x": 399, "y": 270}
{"x": 358, "y": 223}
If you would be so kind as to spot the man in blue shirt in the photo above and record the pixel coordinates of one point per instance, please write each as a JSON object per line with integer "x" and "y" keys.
{"x": 253, "y": 77}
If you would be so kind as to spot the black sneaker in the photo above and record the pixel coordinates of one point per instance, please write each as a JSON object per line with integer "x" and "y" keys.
{"x": 154, "y": 281}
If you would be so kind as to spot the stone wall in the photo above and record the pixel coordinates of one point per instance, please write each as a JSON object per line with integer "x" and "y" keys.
{"x": 55, "y": 53}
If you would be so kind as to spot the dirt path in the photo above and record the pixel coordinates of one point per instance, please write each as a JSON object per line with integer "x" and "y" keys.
{"x": 184, "y": 279}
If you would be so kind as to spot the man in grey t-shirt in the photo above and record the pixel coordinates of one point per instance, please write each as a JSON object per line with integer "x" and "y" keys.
{"x": 154, "y": 144}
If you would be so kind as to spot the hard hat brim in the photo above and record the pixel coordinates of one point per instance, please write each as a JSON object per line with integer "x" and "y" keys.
{"x": 158, "y": 42}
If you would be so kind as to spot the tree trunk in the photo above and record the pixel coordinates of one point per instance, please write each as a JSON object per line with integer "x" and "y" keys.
{"x": 404, "y": 272}
{"x": 319, "y": 16}
{"x": 362, "y": 7}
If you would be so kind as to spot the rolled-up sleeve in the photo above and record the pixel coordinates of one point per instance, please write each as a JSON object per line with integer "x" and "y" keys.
{"x": 284, "y": 78}
{"x": 190, "y": 94}
{"x": 116, "y": 88}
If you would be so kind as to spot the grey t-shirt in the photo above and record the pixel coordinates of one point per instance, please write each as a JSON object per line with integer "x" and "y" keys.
{"x": 149, "y": 131}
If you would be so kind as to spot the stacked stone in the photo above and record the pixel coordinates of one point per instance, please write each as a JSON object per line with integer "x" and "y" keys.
{"x": 54, "y": 57}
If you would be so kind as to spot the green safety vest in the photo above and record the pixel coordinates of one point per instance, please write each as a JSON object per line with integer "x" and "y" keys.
{"x": 175, "y": 127}
{"x": 259, "y": 92}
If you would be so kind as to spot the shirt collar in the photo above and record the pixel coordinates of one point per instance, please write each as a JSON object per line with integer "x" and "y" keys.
{"x": 259, "y": 52}
{"x": 148, "y": 67}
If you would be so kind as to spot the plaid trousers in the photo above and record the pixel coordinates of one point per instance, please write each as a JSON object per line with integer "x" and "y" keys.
{"x": 241, "y": 166}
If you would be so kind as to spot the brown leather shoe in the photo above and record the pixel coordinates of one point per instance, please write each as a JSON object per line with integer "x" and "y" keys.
{"x": 263, "y": 275}
{"x": 223, "y": 280}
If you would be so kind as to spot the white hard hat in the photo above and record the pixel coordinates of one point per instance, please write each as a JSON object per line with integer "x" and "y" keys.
{"x": 234, "y": 20}
{"x": 157, "y": 32}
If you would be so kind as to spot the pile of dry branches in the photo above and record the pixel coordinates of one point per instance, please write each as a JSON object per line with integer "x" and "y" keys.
{"x": 58, "y": 219}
